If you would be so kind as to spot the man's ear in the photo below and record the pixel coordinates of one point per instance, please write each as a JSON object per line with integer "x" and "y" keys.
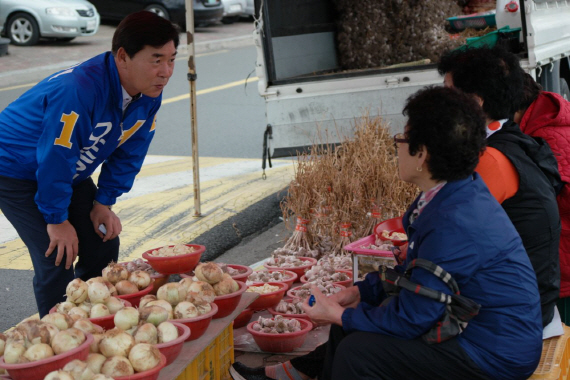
{"x": 121, "y": 57}
{"x": 479, "y": 100}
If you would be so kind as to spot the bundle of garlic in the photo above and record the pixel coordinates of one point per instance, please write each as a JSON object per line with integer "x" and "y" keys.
{"x": 289, "y": 307}
{"x": 326, "y": 273}
{"x": 229, "y": 270}
{"x": 286, "y": 261}
{"x": 336, "y": 262}
{"x": 304, "y": 290}
{"x": 276, "y": 325}
{"x": 267, "y": 276}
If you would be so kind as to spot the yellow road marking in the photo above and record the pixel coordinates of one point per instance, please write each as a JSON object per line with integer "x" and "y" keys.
{"x": 211, "y": 89}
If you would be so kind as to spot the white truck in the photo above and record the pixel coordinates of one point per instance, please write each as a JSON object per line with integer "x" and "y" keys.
{"x": 297, "y": 58}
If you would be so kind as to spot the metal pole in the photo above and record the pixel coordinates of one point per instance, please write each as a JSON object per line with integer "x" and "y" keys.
{"x": 193, "y": 114}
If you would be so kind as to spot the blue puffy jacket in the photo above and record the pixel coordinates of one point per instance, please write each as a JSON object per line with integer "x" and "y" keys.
{"x": 466, "y": 232}
{"x": 62, "y": 129}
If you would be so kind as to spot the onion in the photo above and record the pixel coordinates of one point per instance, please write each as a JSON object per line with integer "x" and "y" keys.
{"x": 97, "y": 338}
{"x": 59, "y": 375}
{"x": 172, "y": 292}
{"x": 208, "y": 272}
{"x": 76, "y": 291}
{"x": 98, "y": 292}
{"x": 79, "y": 370}
{"x": 34, "y": 332}
{"x": 153, "y": 314}
{"x": 146, "y": 333}
{"x": 204, "y": 308}
{"x": 204, "y": 290}
{"x": 67, "y": 340}
{"x": 86, "y": 326}
{"x": 126, "y": 287}
{"x": 185, "y": 310}
{"x": 85, "y": 306}
{"x": 64, "y": 307}
{"x": 185, "y": 283}
{"x": 127, "y": 318}
{"x": 167, "y": 332}
{"x": 78, "y": 312}
{"x": 144, "y": 356}
{"x": 115, "y": 272}
{"x": 140, "y": 278}
{"x": 146, "y": 299}
{"x": 95, "y": 362}
{"x": 117, "y": 366}
{"x": 116, "y": 342}
{"x": 224, "y": 287}
{"x": 95, "y": 279}
{"x": 14, "y": 350}
{"x": 2, "y": 343}
{"x": 100, "y": 376}
{"x": 99, "y": 310}
{"x": 165, "y": 305}
{"x": 114, "y": 304}
{"x": 38, "y": 352}
{"x": 111, "y": 287}
{"x": 59, "y": 320}
{"x": 52, "y": 330}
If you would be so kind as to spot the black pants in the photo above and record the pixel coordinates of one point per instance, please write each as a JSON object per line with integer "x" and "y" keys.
{"x": 18, "y": 205}
{"x": 363, "y": 355}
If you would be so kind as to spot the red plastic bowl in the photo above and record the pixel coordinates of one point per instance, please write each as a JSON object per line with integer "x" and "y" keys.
{"x": 175, "y": 264}
{"x": 107, "y": 322}
{"x": 292, "y": 277}
{"x": 285, "y": 342}
{"x": 243, "y": 318}
{"x": 135, "y": 298}
{"x": 151, "y": 374}
{"x": 199, "y": 324}
{"x": 244, "y": 270}
{"x": 298, "y": 316}
{"x": 228, "y": 303}
{"x": 291, "y": 292}
{"x": 269, "y": 299}
{"x": 172, "y": 349}
{"x": 391, "y": 225}
{"x": 345, "y": 283}
{"x": 300, "y": 270}
{"x": 39, "y": 369}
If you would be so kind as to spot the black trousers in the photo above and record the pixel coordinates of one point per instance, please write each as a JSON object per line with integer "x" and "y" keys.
{"x": 363, "y": 355}
{"x": 18, "y": 205}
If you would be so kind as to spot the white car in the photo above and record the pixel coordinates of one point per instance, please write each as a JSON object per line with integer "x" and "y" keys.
{"x": 249, "y": 8}
{"x": 232, "y": 10}
{"x": 24, "y": 22}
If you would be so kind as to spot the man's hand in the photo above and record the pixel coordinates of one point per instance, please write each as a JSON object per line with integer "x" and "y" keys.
{"x": 101, "y": 214}
{"x": 325, "y": 310}
{"x": 64, "y": 237}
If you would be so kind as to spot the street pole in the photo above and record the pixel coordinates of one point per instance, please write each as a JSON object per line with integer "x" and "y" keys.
{"x": 193, "y": 113}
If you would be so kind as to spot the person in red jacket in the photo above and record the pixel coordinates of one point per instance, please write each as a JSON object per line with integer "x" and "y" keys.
{"x": 547, "y": 115}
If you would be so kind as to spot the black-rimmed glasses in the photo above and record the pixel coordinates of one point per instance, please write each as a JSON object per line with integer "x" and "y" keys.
{"x": 399, "y": 138}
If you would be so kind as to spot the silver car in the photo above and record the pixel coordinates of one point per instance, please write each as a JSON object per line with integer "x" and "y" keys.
{"x": 24, "y": 22}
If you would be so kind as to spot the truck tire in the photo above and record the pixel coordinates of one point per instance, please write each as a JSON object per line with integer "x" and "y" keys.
{"x": 564, "y": 89}
{"x": 23, "y": 30}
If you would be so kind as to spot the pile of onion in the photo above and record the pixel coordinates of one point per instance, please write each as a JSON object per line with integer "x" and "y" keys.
{"x": 212, "y": 273}
{"x": 126, "y": 282}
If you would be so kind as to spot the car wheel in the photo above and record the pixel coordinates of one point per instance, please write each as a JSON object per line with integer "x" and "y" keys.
{"x": 564, "y": 89}
{"x": 161, "y": 11}
{"x": 23, "y": 30}
{"x": 65, "y": 39}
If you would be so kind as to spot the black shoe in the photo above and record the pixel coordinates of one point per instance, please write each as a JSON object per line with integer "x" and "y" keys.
{"x": 239, "y": 371}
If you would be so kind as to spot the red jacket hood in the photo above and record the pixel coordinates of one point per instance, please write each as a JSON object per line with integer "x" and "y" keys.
{"x": 548, "y": 110}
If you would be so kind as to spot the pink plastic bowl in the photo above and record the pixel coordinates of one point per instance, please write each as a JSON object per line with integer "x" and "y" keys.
{"x": 243, "y": 318}
{"x": 285, "y": 342}
{"x": 175, "y": 264}
{"x": 199, "y": 324}
{"x": 172, "y": 349}
{"x": 345, "y": 283}
{"x": 269, "y": 299}
{"x": 107, "y": 322}
{"x": 292, "y": 292}
{"x": 39, "y": 369}
{"x": 228, "y": 303}
{"x": 298, "y": 316}
{"x": 135, "y": 298}
{"x": 151, "y": 374}
{"x": 292, "y": 277}
{"x": 300, "y": 270}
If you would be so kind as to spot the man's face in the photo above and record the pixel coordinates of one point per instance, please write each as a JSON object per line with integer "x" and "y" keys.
{"x": 149, "y": 70}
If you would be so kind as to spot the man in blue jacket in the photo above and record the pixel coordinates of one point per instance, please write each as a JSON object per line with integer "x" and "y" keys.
{"x": 52, "y": 138}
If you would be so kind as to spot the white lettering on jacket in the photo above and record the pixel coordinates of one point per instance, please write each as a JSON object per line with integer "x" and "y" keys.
{"x": 86, "y": 155}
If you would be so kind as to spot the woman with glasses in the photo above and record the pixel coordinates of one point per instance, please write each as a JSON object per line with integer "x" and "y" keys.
{"x": 468, "y": 305}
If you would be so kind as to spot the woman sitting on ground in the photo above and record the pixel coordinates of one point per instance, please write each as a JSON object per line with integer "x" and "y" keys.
{"x": 455, "y": 225}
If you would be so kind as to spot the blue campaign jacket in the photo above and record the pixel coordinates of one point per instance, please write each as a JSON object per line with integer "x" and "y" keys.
{"x": 466, "y": 232}
{"x": 62, "y": 129}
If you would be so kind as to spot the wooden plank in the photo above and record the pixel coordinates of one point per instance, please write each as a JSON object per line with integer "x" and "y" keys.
{"x": 191, "y": 350}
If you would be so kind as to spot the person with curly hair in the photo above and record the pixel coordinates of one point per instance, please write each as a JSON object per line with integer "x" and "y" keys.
{"x": 457, "y": 227}
{"x": 547, "y": 115}
{"x": 521, "y": 172}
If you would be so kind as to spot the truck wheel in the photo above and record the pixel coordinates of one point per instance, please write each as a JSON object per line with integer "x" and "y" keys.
{"x": 23, "y": 30}
{"x": 564, "y": 89}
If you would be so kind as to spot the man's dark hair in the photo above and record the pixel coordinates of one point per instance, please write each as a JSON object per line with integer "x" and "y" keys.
{"x": 493, "y": 74}
{"x": 531, "y": 90}
{"x": 451, "y": 126}
{"x": 143, "y": 28}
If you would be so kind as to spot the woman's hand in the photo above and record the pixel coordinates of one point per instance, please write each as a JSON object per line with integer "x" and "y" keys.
{"x": 347, "y": 298}
{"x": 101, "y": 214}
{"x": 325, "y": 310}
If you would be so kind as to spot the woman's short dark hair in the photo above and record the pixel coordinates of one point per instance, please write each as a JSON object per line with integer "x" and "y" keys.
{"x": 531, "y": 91}
{"x": 493, "y": 74}
{"x": 143, "y": 28}
{"x": 451, "y": 126}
